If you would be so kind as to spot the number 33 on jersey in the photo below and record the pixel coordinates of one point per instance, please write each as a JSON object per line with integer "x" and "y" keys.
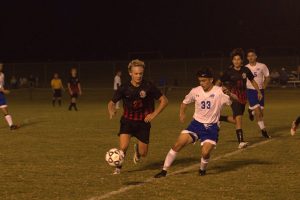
{"x": 208, "y": 105}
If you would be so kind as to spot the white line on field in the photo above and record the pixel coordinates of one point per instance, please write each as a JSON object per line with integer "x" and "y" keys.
{"x": 126, "y": 188}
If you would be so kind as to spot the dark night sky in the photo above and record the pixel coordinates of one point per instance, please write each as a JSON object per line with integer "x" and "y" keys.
{"x": 78, "y": 30}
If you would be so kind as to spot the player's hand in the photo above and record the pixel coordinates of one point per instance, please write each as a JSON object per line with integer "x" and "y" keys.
{"x": 226, "y": 91}
{"x": 260, "y": 96}
{"x": 112, "y": 113}
{"x": 149, "y": 117}
{"x": 6, "y": 91}
{"x": 182, "y": 117}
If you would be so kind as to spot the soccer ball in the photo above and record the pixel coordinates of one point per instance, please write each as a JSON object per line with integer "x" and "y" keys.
{"x": 114, "y": 157}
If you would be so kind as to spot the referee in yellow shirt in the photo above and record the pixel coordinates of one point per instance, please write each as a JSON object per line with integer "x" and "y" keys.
{"x": 57, "y": 87}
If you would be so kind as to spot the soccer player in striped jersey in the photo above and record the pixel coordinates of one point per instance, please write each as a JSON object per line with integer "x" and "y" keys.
{"x": 295, "y": 125}
{"x": 57, "y": 87}
{"x": 3, "y": 104}
{"x": 209, "y": 101}
{"x": 261, "y": 77}
{"x": 74, "y": 88}
{"x": 235, "y": 78}
{"x": 138, "y": 98}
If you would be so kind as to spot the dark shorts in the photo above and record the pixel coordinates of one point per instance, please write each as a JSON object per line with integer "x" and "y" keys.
{"x": 2, "y": 100}
{"x": 74, "y": 95}
{"x": 137, "y": 129}
{"x": 57, "y": 93}
{"x": 237, "y": 108}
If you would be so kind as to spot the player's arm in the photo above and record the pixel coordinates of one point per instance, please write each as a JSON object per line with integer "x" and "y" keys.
{"x": 232, "y": 96}
{"x": 111, "y": 106}
{"x": 111, "y": 109}
{"x": 254, "y": 84}
{"x": 182, "y": 111}
{"x": 79, "y": 88}
{"x": 250, "y": 77}
{"x": 163, "y": 102}
{"x": 2, "y": 89}
{"x": 69, "y": 88}
{"x": 266, "y": 81}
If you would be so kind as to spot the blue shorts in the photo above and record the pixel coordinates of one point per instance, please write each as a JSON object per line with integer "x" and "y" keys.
{"x": 2, "y": 100}
{"x": 253, "y": 99}
{"x": 203, "y": 132}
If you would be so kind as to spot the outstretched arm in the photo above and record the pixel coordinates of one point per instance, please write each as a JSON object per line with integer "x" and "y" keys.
{"x": 182, "y": 110}
{"x": 253, "y": 82}
{"x": 163, "y": 102}
{"x": 111, "y": 109}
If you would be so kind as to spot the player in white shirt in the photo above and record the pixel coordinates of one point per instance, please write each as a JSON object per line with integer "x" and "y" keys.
{"x": 261, "y": 76}
{"x": 3, "y": 104}
{"x": 117, "y": 84}
{"x": 209, "y": 101}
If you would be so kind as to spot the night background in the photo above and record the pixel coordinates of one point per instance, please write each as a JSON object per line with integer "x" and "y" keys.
{"x": 109, "y": 30}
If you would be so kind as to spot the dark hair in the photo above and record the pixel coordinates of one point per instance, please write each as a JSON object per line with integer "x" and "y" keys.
{"x": 237, "y": 52}
{"x": 205, "y": 73}
{"x": 251, "y": 51}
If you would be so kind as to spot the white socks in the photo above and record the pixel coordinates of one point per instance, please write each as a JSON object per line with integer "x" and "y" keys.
{"x": 261, "y": 125}
{"x": 204, "y": 163}
{"x": 169, "y": 159}
{"x": 9, "y": 120}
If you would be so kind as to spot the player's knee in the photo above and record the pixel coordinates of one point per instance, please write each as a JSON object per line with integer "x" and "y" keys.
{"x": 205, "y": 154}
{"x": 143, "y": 153}
{"x": 178, "y": 146}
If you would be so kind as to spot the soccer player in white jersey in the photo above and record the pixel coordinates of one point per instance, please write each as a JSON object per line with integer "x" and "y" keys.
{"x": 261, "y": 76}
{"x": 209, "y": 100}
{"x": 3, "y": 104}
{"x": 117, "y": 84}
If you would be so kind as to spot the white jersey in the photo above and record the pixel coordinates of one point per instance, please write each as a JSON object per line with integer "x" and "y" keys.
{"x": 260, "y": 71}
{"x": 1, "y": 80}
{"x": 117, "y": 81}
{"x": 208, "y": 105}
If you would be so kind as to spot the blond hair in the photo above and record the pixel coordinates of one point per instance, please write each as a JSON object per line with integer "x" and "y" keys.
{"x": 136, "y": 63}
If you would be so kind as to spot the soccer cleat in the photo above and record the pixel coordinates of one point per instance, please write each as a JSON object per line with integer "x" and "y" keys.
{"x": 136, "y": 157}
{"x": 161, "y": 174}
{"x": 117, "y": 171}
{"x": 293, "y": 128}
{"x": 251, "y": 116}
{"x": 243, "y": 145}
{"x": 265, "y": 134}
{"x": 14, "y": 127}
{"x": 202, "y": 172}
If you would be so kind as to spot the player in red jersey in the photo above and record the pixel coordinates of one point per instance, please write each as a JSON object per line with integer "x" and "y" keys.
{"x": 138, "y": 98}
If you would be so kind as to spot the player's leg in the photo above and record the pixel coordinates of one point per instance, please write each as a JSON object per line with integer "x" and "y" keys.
{"x": 141, "y": 130}
{"x": 8, "y": 118}
{"x": 260, "y": 121}
{"x": 59, "y": 101}
{"x": 184, "y": 139}
{"x": 124, "y": 139}
{"x": 59, "y": 97}
{"x": 295, "y": 125}
{"x": 205, "y": 155}
{"x": 225, "y": 118}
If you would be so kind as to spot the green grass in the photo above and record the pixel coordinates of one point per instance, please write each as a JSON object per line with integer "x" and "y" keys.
{"x": 59, "y": 154}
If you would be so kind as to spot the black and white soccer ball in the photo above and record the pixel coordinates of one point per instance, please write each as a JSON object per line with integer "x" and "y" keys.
{"x": 114, "y": 157}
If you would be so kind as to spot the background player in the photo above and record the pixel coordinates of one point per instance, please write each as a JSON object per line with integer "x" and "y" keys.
{"x": 261, "y": 77}
{"x": 57, "y": 87}
{"x": 3, "y": 104}
{"x": 209, "y": 100}
{"x": 295, "y": 125}
{"x": 117, "y": 84}
{"x": 235, "y": 79}
{"x": 74, "y": 88}
{"x": 138, "y": 98}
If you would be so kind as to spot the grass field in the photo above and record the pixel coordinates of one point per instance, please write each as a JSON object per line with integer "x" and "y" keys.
{"x": 58, "y": 154}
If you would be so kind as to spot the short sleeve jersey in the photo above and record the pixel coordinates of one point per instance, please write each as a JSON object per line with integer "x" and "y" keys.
{"x": 259, "y": 71}
{"x": 208, "y": 105}
{"x": 74, "y": 82}
{"x": 236, "y": 81}
{"x": 138, "y": 102}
